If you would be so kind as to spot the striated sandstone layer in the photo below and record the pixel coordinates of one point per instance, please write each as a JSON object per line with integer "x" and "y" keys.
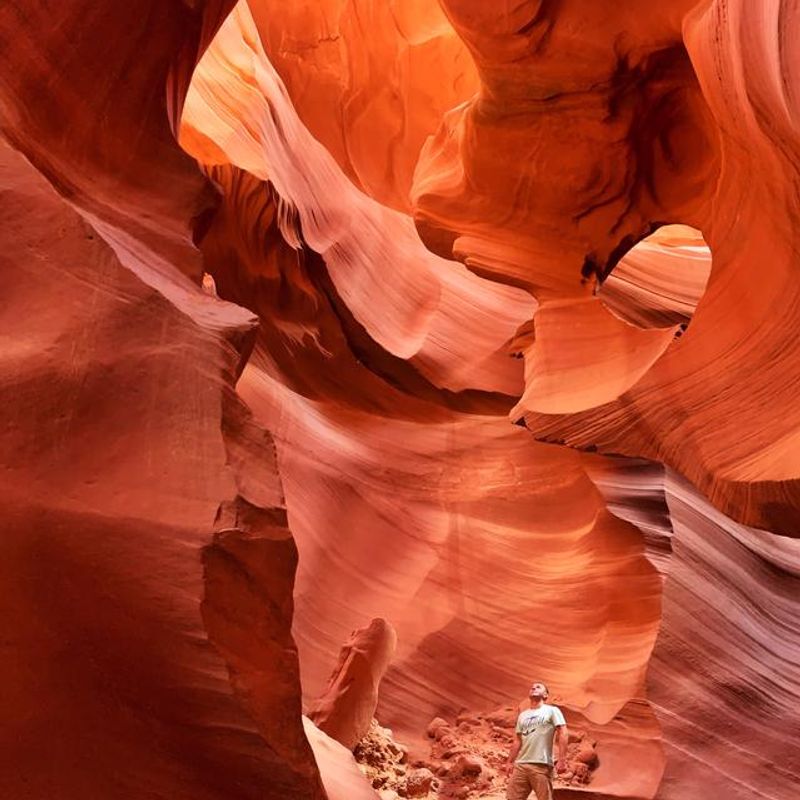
{"x": 370, "y": 80}
{"x": 736, "y": 358}
{"x": 729, "y": 643}
{"x": 124, "y": 673}
{"x": 350, "y": 481}
{"x": 399, "y": 490}
{"x": 119, "y": 414}
{"x": 279, "y": 279}
{"x": 100, "y": 131}
{"x": 723, "y": 678}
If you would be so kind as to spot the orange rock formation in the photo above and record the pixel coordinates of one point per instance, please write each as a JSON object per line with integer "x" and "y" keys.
{"x": 281, "y": 277}
{"x": 346, "y": 709}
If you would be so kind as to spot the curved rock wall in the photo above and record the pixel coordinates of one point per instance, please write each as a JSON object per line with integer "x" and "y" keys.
{"x": 356, "y": 448}
{"x": 681, "y": 412}
{"x": 116, "y": 682}
{"x": 396, "y": 228}
{"x": 124, "y": 674}
{"x": 722, "y": 678}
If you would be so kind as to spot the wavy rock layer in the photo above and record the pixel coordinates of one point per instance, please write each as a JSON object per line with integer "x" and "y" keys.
{"x": 682, "y": 411}
{"x": 112, "y": 479}
{"x": 101, "y": 135}
{"x": 124, "y": 665}
{"x": 403, "y": 495}
{"x": 722, "y": 677}
{"x": 414, "y": 223}
{"x": 361, "y": 472}
{"x": 729, "y": 639}
{"x": 661, "y": 280}
{"x": 370, "y": 80}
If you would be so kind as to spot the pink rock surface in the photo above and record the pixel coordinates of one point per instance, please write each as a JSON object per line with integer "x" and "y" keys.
{"x": 728, "y": 627}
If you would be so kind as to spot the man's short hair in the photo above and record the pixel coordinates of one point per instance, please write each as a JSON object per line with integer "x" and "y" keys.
{"x": 546, "y": 690}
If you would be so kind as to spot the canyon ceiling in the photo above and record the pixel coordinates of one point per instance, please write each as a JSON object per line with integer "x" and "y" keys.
{"x": 478, "y": 318}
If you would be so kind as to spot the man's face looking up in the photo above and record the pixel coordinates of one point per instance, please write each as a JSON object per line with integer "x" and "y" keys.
{"x": 538, "y": 691}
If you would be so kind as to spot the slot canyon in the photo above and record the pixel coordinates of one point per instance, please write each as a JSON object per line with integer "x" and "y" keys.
{"x": 367, "y": 360}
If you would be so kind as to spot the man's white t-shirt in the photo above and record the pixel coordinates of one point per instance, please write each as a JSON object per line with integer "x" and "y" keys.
{"x": 537, "y": 726}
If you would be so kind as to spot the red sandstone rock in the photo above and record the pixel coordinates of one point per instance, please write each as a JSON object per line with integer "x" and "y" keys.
{"x": 669, "y": 415}
{"x": 170, "y": 668}
{"x": 346, "y": 708}
{"x": 437, "y": 728}
{"x": 126, "y": 438}
{"x": 359, "y": 74}
{"x": 339, "y": 772}
{"x": 398, "y": 422}
{"x": 380, "y": 386}
{"x": 418, "y": 783}
{"x": 477, "y": 767}
{"x": 469, "y": 766}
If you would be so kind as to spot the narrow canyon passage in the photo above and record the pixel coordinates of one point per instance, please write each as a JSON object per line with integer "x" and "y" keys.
{"x": 402, "y": 497}
{"x": 367, "y": 361}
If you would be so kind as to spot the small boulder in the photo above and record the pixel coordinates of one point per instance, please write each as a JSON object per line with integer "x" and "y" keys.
{"x": 418, "y": 782}
{"x": 581, "y": 771}
{"x": 586, "y": 753}
{"x": 469, "y": 766}
{"x": 505, "y": 717}
{"x": 346, "y": 707}
{"x": 437, "y": 727}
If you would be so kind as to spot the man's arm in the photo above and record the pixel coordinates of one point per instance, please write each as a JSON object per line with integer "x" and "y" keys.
{"x": 513, "y": 753}
{"x": 562, "y": 739}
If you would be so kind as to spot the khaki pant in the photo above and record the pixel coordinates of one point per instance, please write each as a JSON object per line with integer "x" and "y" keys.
{"x": 527, "y": 778}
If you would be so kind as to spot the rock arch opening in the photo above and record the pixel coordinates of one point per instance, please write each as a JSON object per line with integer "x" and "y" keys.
{"x": 660, "y": 281}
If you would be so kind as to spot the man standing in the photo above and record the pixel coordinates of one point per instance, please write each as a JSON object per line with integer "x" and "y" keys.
{"x": 530, "y": 762}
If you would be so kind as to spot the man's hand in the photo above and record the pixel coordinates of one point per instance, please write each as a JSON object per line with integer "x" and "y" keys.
{"x": 561, "y": 765}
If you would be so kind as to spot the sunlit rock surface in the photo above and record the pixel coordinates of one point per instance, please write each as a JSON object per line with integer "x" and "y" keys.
{"x": 696, "y": 410}
{"x": 281, "y": 276}
{"x": 340, "y": 774}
